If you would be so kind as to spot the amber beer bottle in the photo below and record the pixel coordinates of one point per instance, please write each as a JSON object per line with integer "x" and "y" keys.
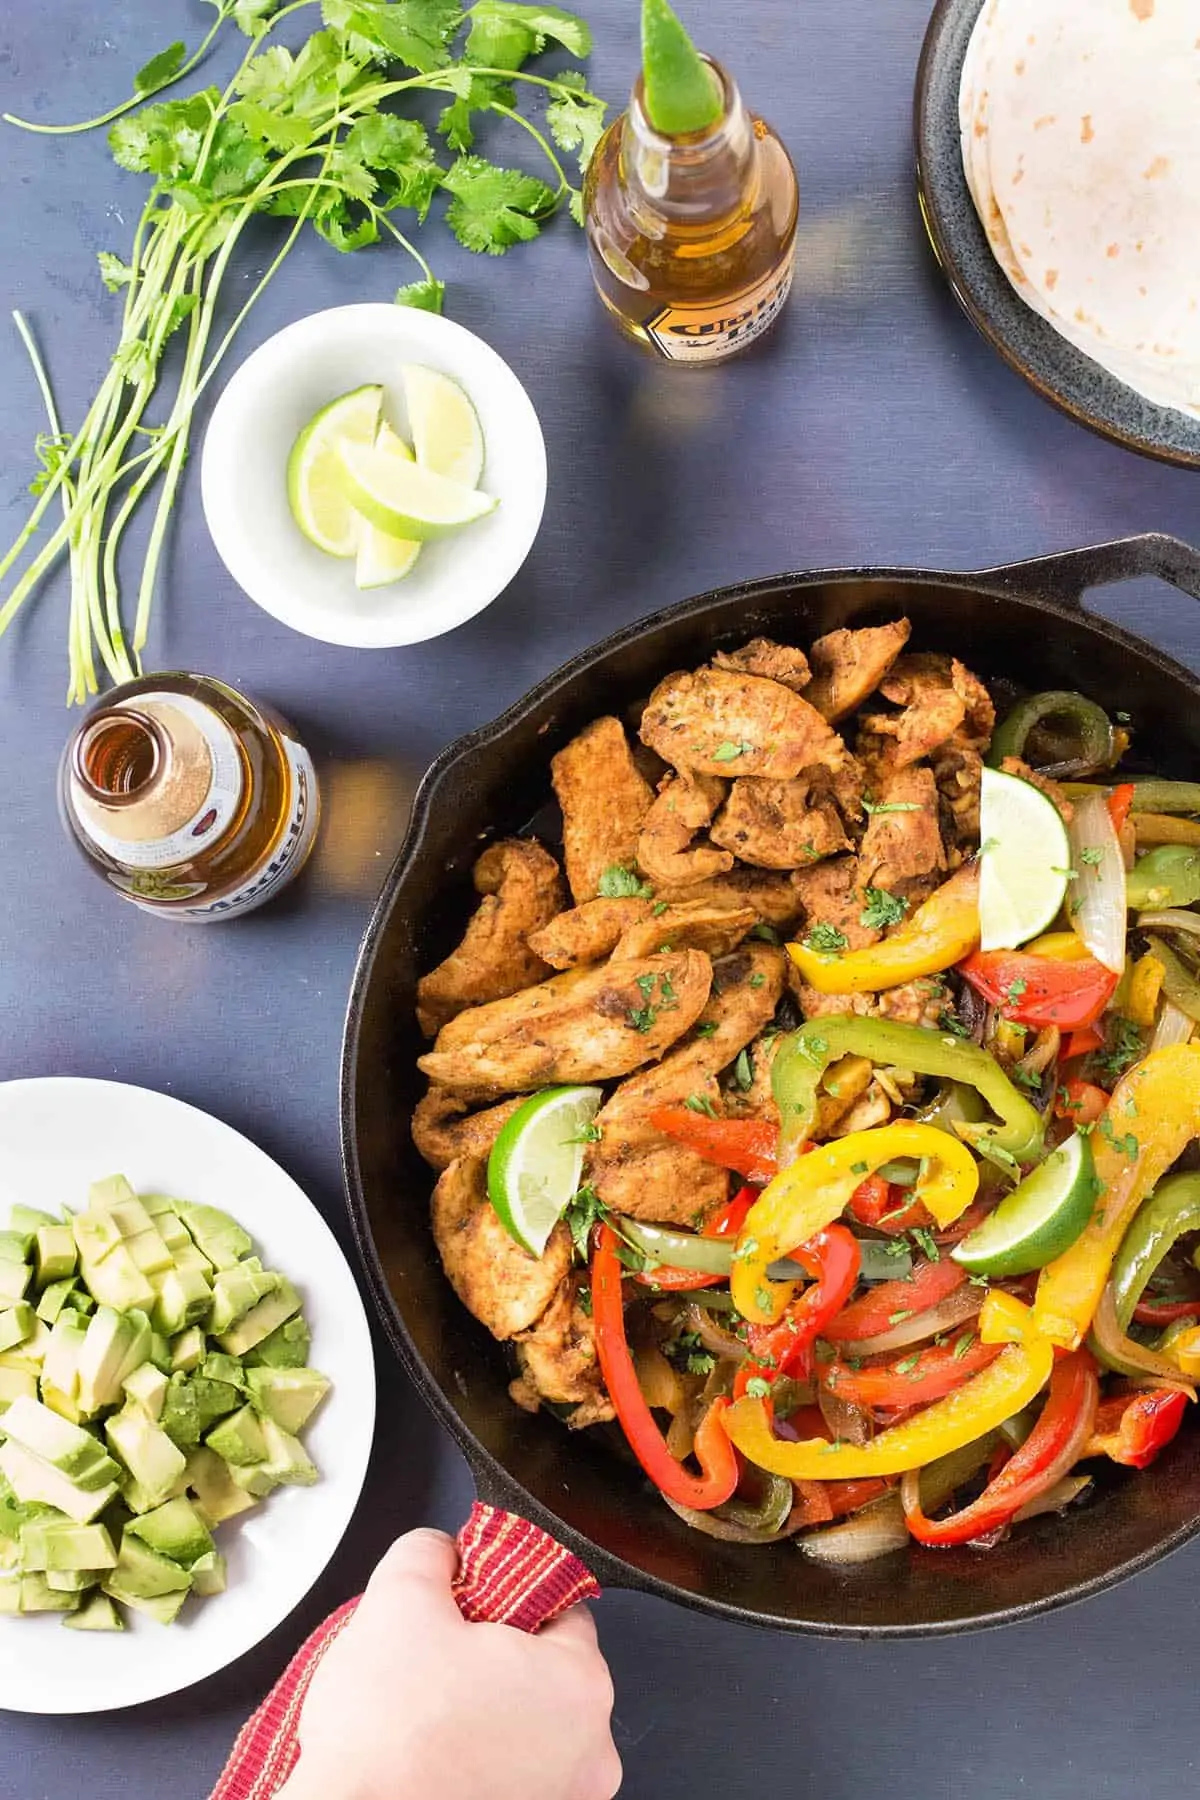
{"x": 692, "y": 235}
{"x": 192, "y": 802}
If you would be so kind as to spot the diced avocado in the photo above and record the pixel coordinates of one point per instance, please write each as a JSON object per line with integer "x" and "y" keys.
{"x": 142, "y": 1571}
{"x": 261, "y": 1320}
{"x": 285, "y": 1348}
{"x": 95, "y": 1234}
{"x": 73, "y": 1581}
{"x": 164, "y": 1608}
{"x": 130, "y": 1217}
{"x": 208, "y": 1574}
{"x": 236, "y": 1291}
{"x": 16, "y": 1384}
{"x": 115, "y": 1345}
{"x": 219, "y": 1367}
{"x": 60, "y": 1367}
{"x": 146, "y": 1451}
{"x": 175, "y": 1530}
{"x": 73, "y": 1452}
{"x": 30, "y": 1219}
{"x": 115, "y": 1279}
{"x": 96, "y": 1614}
{"x": 255, "y": 1478}
{"x": 217, "y": 1496}
{"x": 184, "y": 1297}
{"x": 49, "y": 1543}
{"x": 14, "y": 1515}
{"x": 16, "y": 1324}
{"x": 239, "y": 1438}
{"x": 16, "y": 1246}
{"x": 287, "y": 1459}
{"x": 220, "y": 1238}
{"x": 38, "y": 1596}
{"x": 173, "y": 1232}
{"x": 114, "y": 1190}
{"x": 10, "y": 1592}
{"x": 55, "y": 1253}
{"x": 15, "y": 1278}
{"x": 188, "y": 1350}
{"x": 31, "y": 1353}
{"x": 60, "y": 1403}
{"x": 158, "y": 1205}
{"x": 193, "y": 1403}
{"x": 148, "y": 1387}
{"x": 149, "y": 1253}
{"x": 80, "y": 1301}
{"x": 140, "y": 1499}
{"x": 54, "y": 1299}
{"x": 289, "y": 1396}
{"x": 34, "y": 1481}
{"x": 160, "y": 1351}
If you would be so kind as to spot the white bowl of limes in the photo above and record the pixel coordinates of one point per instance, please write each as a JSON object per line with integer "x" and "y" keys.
{"x": 373, "y": 475}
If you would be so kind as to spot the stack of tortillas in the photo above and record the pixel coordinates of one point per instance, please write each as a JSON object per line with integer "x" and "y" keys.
{"x": 1081, "y": 144}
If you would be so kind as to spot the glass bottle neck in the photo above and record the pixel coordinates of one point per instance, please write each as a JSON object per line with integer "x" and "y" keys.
{"x": 695, "y": 180}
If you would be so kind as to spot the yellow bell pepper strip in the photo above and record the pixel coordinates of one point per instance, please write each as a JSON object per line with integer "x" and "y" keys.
{"x": 1145, "y": 986}
{"x": 1017, "y": 1376}
{"x": 938, "y": 935}
{"x": 1184, "y": 1351}
{"x": 803, "y": 1057}
{"x": 1152, "y": 1116}
{"x": 812, "y": 1192}
{"x": 1003, "y": 1319}
{"x": 1059, "y": 946}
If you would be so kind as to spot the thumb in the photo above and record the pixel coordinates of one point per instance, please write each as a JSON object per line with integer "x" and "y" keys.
{"x": 418, "y": 1569}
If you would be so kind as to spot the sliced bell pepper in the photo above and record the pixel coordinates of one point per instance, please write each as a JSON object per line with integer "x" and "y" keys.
{"x": 747, "y": 1146}
{"x": 833, "y": 1259}
{"x": 1160, "y": 828}
{"x": 1082, "y": 1043}
{"x": 679, "y": 1278}
{"x": 1060, "y": 946}
{"x": 1091, "y": 734}
{"x": 915, "y": 1379}
{"x": 1168, "y": 876}
{"x": 1041, "y": 990}
{"x": 1172, "y": 1209}
{"x": 981, "y": 1405}
{"x": 810, "y": 1194}
{"x": 1153, "y": 1114}
{"x": 938, "y": 935}
{"x": 1184, "y": 1350}
{"x": 1166, "y": 1312}
{"x": 1052, "y": 1447}
{"x": 886, "y": 1207}
{"x": 1133, "y": 1428}
{"x": 729, "y": 1221}
{"x": 801, "y": 1061}
{"x": 718, "y": 1479}
{"x": 1082, "y": 1102}
{"x": 929, "y": 1284}
{"x": 1145, "y": 986}
{"x": 1119, "y": 803}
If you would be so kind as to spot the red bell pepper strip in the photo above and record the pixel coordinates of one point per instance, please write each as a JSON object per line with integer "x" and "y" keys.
{"x": 1082, "y": 1043}
{"x": 747, "y": 1146}
{"x": 850, "y": 1496}
{"x": 833, "y": 1259}
{"x": 1056, "y": 1442}
{"x": 882, "y": 1205}
{"x": 928, "y": 1285}
{"x": 729, "y": 1221}
{"x": 1119, "y": 803}
{"x": 1040, "y": 991}
{"x": 1165, "y": 1312}
{"x": 724, "y": 1224}
{"x": 1133, "y": 1428}
{"x": 912, "y": 1380}
{"x": 1082, "y": 1102}
{"x": 714, "y": 1452}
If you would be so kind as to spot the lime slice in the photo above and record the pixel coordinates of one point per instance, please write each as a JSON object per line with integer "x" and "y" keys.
{"x": 383, "y": 559}
{"x": 1040, "y": 1219}
{"x": 404, "y": 499}
{"x": 1024, "y": 861}
{"x": 535, "y": 1164}
{"x": 316, "y": 489}
{"x": 681, "y": 92}
{"x": 445, "y": 427}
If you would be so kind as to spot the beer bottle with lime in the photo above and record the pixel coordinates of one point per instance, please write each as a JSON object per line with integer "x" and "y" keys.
{"x": 690, "y": 207}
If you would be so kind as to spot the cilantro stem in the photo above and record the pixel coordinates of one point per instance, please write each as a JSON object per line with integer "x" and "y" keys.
{"x": 506, "y": 112}
{"x": 136, "y": 99}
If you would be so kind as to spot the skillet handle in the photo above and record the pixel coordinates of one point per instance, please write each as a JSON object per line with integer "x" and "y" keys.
{"x": 1066, "y": 577}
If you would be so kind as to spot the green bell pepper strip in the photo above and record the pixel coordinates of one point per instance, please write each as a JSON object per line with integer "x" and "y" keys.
{"x": 1089, "y": 723}
{"x": 673, "y": 1249}
{"x": 1155, "y": 795}
{"x": 805, "y": 1055}
{"x": 1168, "y": 875}
{"x": 1172, "y": 1209}
{"x": 1179, "y": 984}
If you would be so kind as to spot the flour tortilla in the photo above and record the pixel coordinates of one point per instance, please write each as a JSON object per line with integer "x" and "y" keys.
{"x": 1081, "y": 146}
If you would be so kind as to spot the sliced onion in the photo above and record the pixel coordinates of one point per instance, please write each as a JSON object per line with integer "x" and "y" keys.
{"x": 1179, "y": 984}
{"x": 875, "y": 1531}
{"x": 1125, "y": 1354}
{"x": 1097, "y": 900}
{"x": 849, "y": 1424}
{"x": 1170, "y": 918}
{"x": 964, "y": 1303}
{"x": 721, "y": 1343}
{"x": 1174, "y": 1027}
{"x": 1055, "y": 1499}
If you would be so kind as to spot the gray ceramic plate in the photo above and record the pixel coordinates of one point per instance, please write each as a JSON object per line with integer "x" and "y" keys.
{"x": 1058, "y": 371}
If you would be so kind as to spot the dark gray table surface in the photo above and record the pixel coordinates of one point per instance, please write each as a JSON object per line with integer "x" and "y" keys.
{"x": 874, "y": 428}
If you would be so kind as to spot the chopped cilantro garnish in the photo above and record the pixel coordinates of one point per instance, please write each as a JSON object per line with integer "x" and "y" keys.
{"x": 859, "y": 1168}
{"x": 889, "y": 806}
{"x": 641, "y": 1018}
{"x": 948, "y": 1021}
{"x": 1015, "y": 989}
{"x": 729, "y": 751}
{"x": 758, "y": 1387}
{"x": 826, "y": 939}
{"x": 766, "y": 932}
{"x": 906, "y": 1312}
{"x": 757, "y": 979}
{"x": 707, "y": 1029}
{"x": 963, "y": 1344}
{"x": 1091, "y": 856}
{"x": 743, "y": 1074}
{"x": 585, "y": 1210}
{"x": 882, "y": 909}
{"x": 621, "y": 883}
{"x": 658, "y": 909}
{"x": 700, "y": 1103}
{"x": 924, "y": 1240}
{"x": 907, "y": 1364}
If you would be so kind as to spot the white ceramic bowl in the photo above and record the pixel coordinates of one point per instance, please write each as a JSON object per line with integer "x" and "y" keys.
{"x": 244, "y": 476}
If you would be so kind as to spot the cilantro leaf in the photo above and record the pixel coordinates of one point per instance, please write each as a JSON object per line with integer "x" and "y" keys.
{"x": 480, "y": 93}
{"x": 164, "y": 139}
{"x": 251, "y": 15}
{"x": 113, "y": 272}
{"x": 619, "y": 883}
{"x": 576, "y": 117}
{"x": 758, "y": 1387}
{"x": 729, "y": 751}
{"x": 414, "y": 32}
{"x": 494, "y": 208}
{"x": 161, "y": 69}
{"x": 426, "y": 296}
{"x": 882, "y": 909}
{"x": 514, "y": 30}
{"x": 826, "y": 938}
{"x": 399, "y": 155}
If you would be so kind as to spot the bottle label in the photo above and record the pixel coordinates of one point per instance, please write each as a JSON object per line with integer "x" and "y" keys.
{"x": 706, "y": 333}
{"x": 291, "y": 850}
{"x": 215, "y": 813}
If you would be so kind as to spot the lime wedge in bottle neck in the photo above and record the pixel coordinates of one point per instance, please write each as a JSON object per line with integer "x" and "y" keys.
{"x": 681, "y": 92}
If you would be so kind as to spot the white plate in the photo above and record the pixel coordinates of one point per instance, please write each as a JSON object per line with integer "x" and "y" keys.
{"x": 272, "y": 397}
{"x": 57, "y": 1136}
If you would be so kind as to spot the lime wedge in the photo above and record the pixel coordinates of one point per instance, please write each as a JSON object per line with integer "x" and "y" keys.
{"x": 1024, "y": 861}
{"x": 1040, "y": 1219}
{"x": 535, "y": 1164}
{"x": 445, "y": 427}
{"x": 316, "y": 490}
{"x": 404, "y": 499}
{"x": 681, "y": 93}
{"x": 383, "y": 559}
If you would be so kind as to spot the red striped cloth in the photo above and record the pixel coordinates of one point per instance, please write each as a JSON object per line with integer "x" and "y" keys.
{"x": 510, "y": 1573}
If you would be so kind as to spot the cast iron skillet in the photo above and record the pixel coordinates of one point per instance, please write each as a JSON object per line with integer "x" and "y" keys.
{"x": 1025, "y": 623}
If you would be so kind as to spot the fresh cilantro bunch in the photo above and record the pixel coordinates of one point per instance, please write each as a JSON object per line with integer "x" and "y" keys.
{"x": 316, "y": 136}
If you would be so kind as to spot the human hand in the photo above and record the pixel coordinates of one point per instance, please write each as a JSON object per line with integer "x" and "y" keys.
{"x": 411, "y": 1700}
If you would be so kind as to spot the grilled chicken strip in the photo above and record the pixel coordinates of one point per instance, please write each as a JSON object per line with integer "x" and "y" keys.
{"x": 850, "y": 665}
{"x": 523, "y": 890}
{"x": 444, "y": 1128}
{"x": 762, "y": 656}
{"x": 604, "y": 802}
{"x": 505, "y": 1288}
{"x": 719, "y": 723}
{"x": 558, "y": 1361}
{"x": 779, "y": 824}
{"x": 684, "y": 805}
